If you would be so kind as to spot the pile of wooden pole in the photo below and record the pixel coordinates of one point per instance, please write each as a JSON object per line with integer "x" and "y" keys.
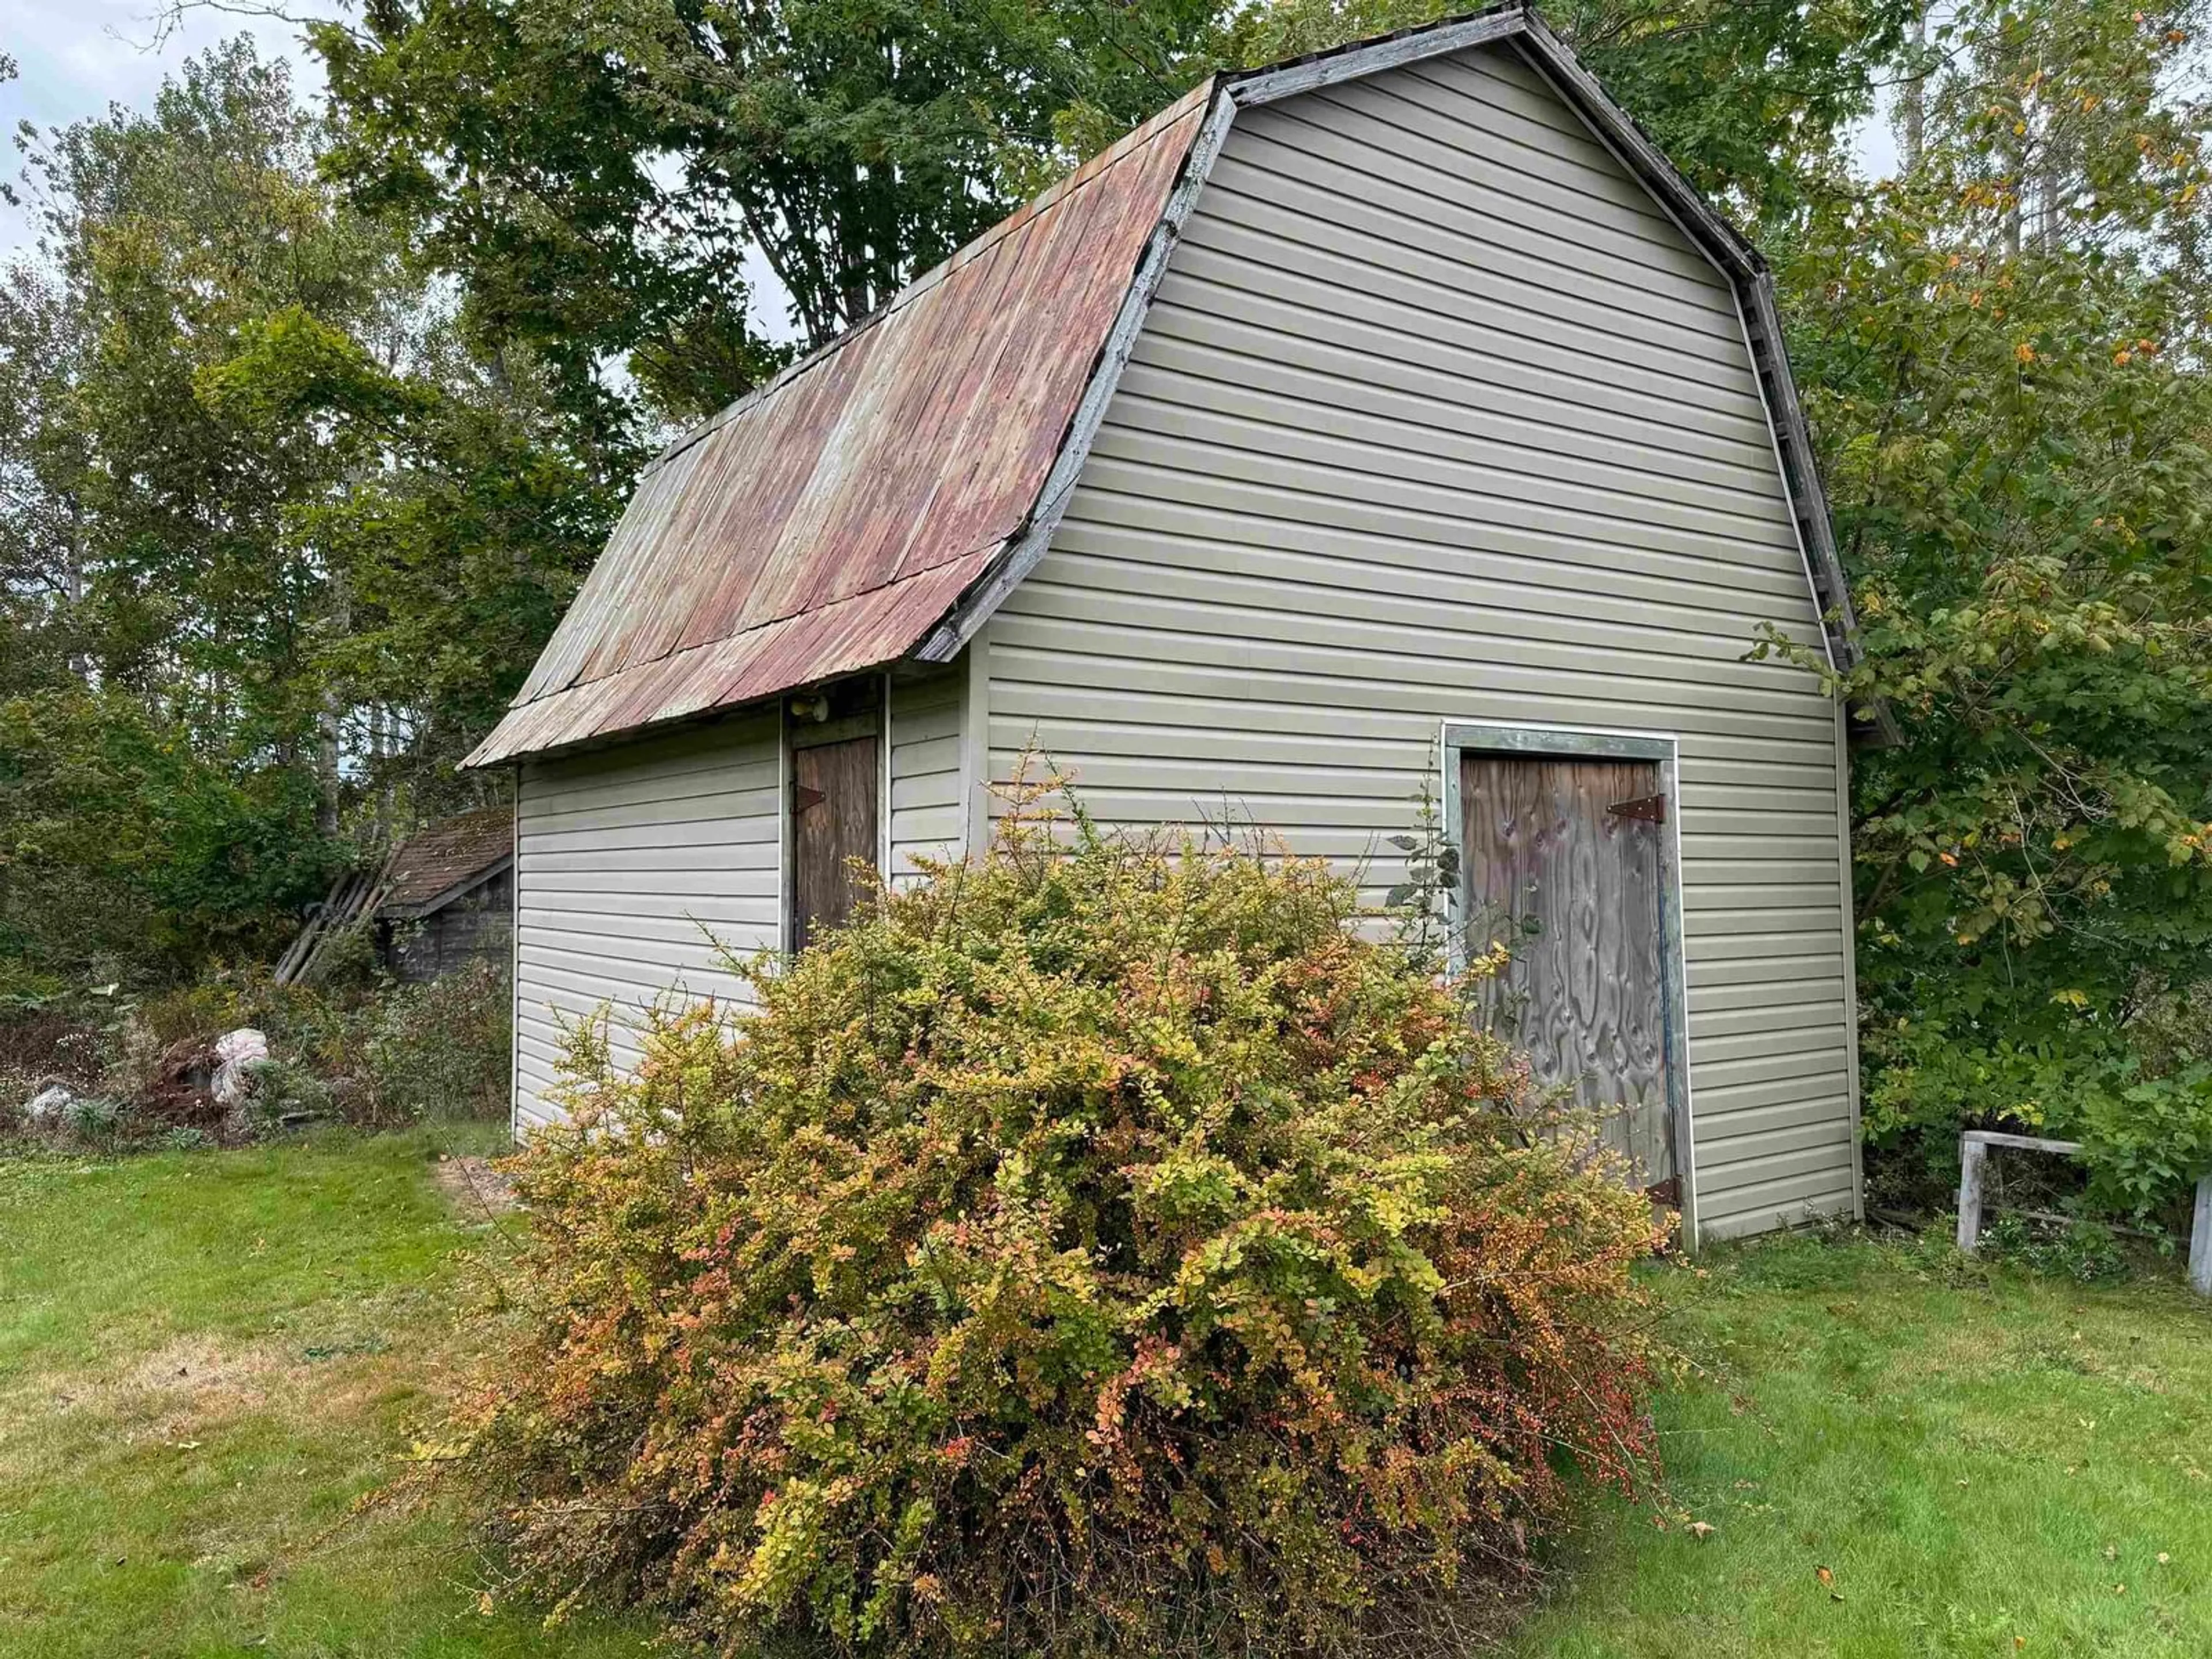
{"x": 354, "y": 895}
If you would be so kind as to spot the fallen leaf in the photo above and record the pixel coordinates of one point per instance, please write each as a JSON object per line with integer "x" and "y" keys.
{"x": 1824, "y": 1575}
{"x": 1701, "y": 1530}
{"x": 2164, "y": 1560}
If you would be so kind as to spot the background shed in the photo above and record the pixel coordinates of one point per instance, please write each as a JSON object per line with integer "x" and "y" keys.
{"x": 449, "y": 896}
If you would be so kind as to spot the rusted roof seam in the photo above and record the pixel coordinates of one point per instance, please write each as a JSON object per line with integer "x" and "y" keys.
{"x": 1147, "y": 134}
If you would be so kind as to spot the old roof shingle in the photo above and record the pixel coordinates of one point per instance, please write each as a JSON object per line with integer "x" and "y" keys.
{"x": 433, "y": 862}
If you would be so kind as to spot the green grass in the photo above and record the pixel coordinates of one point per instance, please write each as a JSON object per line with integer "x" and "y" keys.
{"x": 205, "y": 1360}
{"x": 1987, "y": 1462}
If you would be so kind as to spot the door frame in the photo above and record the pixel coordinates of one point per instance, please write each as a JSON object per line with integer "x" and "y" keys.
{"x": 1457, "y": 738}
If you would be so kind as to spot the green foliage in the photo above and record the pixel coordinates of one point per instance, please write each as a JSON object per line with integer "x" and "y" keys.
{"x": 276, "y": 544}
{"x": 121, "y": 846}
{"x": 1098, "y": 1247}
{"x": 2004, "y": 352}
{"x": 439, "y": 1050}
{"x": 1749, "y": 98}
{"x": 276, "y": 1089}
{"x": 591, "y": 171}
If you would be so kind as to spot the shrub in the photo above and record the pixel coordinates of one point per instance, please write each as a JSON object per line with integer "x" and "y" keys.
{"x": 278, "y": 1090}
{"x": 440, "y": 1049}
{"x": 1099, "y": 1249}
{"x": 2137, "y": 1097}
{"x": 381, "y": 1053}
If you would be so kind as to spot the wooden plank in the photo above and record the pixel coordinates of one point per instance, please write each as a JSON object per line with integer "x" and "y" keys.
{"x": 1576, "y": 888}
{"x": 1973, "y": 1166}
{"x": 835, "y": 807}
{"x": 2200, "y": 1240}
{"x": 2020, "y": 1142}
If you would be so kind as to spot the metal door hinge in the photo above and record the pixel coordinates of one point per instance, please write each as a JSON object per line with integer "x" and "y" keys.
{"x": 805, "y": 799}
{"x": 1651, "y": 808}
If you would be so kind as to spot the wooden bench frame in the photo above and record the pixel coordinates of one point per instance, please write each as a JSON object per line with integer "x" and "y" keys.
{"x": 1973, "y": 1166}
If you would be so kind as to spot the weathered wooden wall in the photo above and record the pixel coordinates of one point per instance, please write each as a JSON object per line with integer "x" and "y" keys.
{"x": 478, "y": 926}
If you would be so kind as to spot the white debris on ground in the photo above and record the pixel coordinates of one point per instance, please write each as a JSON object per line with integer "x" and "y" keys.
{"x": 235, "y": 1051}
{"x": 47, "y": 1106}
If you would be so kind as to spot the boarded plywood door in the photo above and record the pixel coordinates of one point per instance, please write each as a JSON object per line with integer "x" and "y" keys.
{"x": 834, "y": 808}
{"x": 1574, "y": 886}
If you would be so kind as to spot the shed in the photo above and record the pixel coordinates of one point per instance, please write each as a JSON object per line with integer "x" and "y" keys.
{"x": 449, "y": 896}
{"x": 1390, "y": 421}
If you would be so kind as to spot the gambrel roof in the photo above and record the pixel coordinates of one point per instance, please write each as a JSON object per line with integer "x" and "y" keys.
{"x": 876, "y": 501}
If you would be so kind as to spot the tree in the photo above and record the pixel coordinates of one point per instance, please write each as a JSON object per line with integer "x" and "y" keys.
{"x": 595, "y": 172}
{"x": 2004, "y": 352}
{"x": 267, "y": 516}
{"x": 1749, "y": 98}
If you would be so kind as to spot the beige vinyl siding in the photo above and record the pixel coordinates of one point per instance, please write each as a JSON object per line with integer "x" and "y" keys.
{"x": 926, "y": 803}
{"x": 1437, "y": 417}
{"x": 631, "y": 863}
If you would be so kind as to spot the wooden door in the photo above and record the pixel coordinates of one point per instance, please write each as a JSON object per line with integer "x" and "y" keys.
{"x": 834, "y": 806}
{"x": 1563, "y": 863}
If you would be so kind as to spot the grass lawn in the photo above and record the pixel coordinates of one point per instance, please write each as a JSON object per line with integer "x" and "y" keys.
{"x": 205, "y": 1359}
{"x": 1986, "y": 1463}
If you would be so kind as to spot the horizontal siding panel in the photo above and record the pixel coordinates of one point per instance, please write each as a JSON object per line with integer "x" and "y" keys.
{"x": 1234, "y": 386}
{"x": 1215, "y": 332}
{"x": 1501, "y": 178}
{"x": 1714, "y": 1028}
{"x": 1089, "y": 579}
{"x": 1337, "y": 472}
{"x": 1437, "y": 417}
{"x": 1069, "y": 653}
{"x": 1432, "y": 238}
{"x": 553, "y": 926}
{"x": 1637, "y": 588}
{"x": 928, "y": 718}
{"x": 1735, "y": 1135}
{"x": 1830, "y": 1164}
{"x": 624, "y": 854}
{"x": 701, "y": 864}
{"x": 1781, "y": 1204}
{"x": 1216, "y": 266}
{"x": 677, "y": 794}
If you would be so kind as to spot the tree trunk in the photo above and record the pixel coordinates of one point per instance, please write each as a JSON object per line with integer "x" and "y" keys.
{"x": 1914, "y": 121}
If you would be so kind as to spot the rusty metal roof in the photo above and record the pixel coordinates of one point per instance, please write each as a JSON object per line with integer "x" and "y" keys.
{"x": 877, "y": 499}
{"x": 826, "y": 523}
{"x": 439, "y": 862}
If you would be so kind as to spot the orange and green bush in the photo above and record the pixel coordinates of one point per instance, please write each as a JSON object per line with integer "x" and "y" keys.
{"x": 1101, "y": 1247}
